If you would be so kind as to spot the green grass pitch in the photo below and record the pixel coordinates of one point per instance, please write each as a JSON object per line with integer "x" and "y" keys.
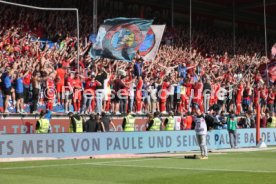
{"x": 239, "y": 167}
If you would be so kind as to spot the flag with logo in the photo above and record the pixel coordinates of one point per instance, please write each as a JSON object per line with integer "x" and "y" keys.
{"x": 273, "y": 51}
{"x": 120, "y": 38}
{"x": 150, "y": 45}
{"x": 268, "y": 71}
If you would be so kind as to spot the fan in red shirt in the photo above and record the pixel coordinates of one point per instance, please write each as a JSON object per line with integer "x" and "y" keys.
{"x": 239, "y": 98}
{"x": 263, "y": 98}
{"x": 247, "y": 95}
{"x": 60, "y": 79}
{"x": 50, "y": 92}
{"x": 25, "y": 48}
{"x": 89, "y": 93}
{"x": 107, "y": 99}
{"x": 125, "y": 92}
{"x": 163, "y": 97}
{"x": 188, "y": 86}
{"x": 69, "y": 91}
{"x": 198, "y": 88}
{"x": 77, "y": 84}
{"x": 257, "y": 92}
{"x": 139, "y": 94}
{"x": 212, "y": 97}
{"x": 271, "y": 99}
{"x": 190, "y": 69}
{"x": 258, "y": 77}
{"x": 187, "y": 122}
{"x": 65, "y": 63}
{"x": 27, "y": 83}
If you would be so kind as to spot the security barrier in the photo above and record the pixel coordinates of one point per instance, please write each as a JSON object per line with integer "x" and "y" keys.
{"x": 17, "y": 125}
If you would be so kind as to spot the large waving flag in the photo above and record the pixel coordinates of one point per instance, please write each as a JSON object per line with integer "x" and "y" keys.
{"x": 270, "y": 73}
{"x": 120, "y": 38}
{"x": 150, "y": 46}
{"x": 273, "y": 51}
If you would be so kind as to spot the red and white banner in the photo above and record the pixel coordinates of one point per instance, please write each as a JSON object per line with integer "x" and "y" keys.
{"x": 150, "y": 46}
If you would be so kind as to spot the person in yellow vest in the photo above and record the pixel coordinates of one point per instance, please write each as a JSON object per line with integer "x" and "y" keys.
{"x": 155, "y": 123}
{"x": 43, "y": 124}
{"x": 271, "y": 122}
{"x": 169, "y": 122}
{"x": 76, "y": 123}
{"x": 129, "y": 123}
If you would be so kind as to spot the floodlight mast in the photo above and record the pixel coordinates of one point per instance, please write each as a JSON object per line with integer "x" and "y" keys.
{"x": 265, "y": 40}
{"x": 95, "y": 14}
{"x": 54, "y": 9}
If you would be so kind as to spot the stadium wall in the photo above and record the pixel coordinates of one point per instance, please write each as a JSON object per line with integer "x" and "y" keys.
{"x": 65, "y": 145}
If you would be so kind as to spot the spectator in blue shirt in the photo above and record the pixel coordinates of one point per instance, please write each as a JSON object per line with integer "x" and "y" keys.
{"x": 182, "y": 70}
{"x": 177, "y": 93}
{"x": 145, "y": 95}
{"x": 138, "y": 66}
{"x": 48, "y": 115}
{"x": 6, "y": 80}
{"x": 19, "y": 92}
{"x": 7, "y": 87}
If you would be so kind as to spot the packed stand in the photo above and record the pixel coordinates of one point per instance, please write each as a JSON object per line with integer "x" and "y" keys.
{"x": 34, "y": 73}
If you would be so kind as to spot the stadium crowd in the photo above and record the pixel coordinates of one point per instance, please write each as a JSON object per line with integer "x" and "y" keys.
{"x": 207, "y": 77}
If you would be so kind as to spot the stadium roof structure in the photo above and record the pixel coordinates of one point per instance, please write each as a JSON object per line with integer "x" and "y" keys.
{"x": 247, "y": 11}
